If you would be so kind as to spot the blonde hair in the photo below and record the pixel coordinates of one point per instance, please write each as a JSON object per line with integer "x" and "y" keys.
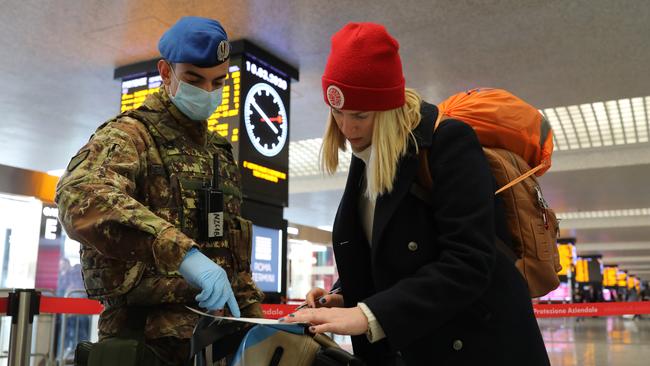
{"x": 390, "y": 139}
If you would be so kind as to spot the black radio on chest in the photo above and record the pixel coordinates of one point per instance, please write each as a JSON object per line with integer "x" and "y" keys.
{"x": 211, "y": 207}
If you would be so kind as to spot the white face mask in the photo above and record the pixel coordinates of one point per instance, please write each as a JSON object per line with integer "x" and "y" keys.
{"x": 194, "y": 102}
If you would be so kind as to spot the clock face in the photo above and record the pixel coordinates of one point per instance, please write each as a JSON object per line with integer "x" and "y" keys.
{"x": 265, "y": 119}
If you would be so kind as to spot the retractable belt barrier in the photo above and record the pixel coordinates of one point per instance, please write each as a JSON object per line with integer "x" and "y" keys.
{"x": 591, "y": 309}
{"x": 59, "y": 305}
{"x": 273, "y": 311}
{"x": 80, "y": 306}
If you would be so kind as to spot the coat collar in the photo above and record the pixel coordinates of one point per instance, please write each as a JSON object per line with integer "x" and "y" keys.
{"x": 424, "y": 130}
{"x": 348, "y": 213}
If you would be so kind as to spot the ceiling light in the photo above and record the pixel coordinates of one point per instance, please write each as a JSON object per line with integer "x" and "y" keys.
{"x": 56, "y": 172}
{"x": 581, "y": 215}
{"x": 614, "y": 122}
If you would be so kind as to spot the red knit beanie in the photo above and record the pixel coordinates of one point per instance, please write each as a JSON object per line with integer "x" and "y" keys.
{"x": 364, "y": 70}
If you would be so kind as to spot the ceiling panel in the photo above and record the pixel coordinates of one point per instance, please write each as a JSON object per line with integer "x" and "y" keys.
{"x": 313, "y": 208}
{"x": 610, "y": 235}
{"x": 598, "y": 189}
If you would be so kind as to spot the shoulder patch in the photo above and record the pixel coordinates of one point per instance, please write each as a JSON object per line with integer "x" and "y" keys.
{"x": 77, "y": 159}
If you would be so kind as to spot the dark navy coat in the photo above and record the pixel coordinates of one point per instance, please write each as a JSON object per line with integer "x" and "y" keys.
{"x": 432, "y": 276}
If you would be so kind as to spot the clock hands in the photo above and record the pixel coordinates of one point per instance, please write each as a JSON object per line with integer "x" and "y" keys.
{"x": 264, "y": 116}
{"x": 277, "y": 119}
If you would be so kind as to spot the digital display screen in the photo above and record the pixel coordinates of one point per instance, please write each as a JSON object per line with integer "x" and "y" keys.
{"x": 264, "y": 136}
{"x": 567, "y": 253}
{"x": 621, "y": 278}
{"x": 136, "y": 90}
{"x": 582, "y": 270}
{"x": 631, "y": 281}
{"x": 609, "y": 276}
{"x": 266, "y": 261}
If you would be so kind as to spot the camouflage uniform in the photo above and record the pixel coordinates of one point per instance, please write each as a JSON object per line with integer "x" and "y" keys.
{"x": 129, "y": 197}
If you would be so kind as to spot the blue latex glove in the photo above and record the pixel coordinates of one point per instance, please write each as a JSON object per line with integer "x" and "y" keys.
{"x": 202, "y": 272}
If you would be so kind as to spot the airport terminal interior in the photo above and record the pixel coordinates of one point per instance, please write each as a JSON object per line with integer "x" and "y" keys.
{"x": 68, "y": 66}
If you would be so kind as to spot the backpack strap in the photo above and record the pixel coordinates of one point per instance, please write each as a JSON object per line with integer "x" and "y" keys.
{"x": 521, "y": 178}
{"x": 424, "y": 185}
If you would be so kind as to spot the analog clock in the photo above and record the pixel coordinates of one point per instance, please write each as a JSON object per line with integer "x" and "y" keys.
{"x": 266, "y": 119}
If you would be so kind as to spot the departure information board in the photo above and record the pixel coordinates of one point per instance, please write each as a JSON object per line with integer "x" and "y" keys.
{"x": 621, "y": 278}
{"x": 609, "y": 276}
{"x": 567, "y": 253}
{"x": 582, "y": 270}
{"x": 631, "y": 282}
{"x": 135, "y": 91}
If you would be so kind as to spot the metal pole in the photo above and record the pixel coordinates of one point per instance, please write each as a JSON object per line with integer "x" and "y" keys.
{"x": 64, "y": 326}
{"x": 64, "y": 320}
{"x": 50, "y": 358}
{"x": 21, "y": 330}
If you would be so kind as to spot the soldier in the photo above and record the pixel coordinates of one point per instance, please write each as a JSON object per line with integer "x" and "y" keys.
{"x": 132, "y": 197}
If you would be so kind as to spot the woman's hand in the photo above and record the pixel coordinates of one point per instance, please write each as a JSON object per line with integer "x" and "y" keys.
{"x": 327, "y": 301}
{"x": 343, "y": 321}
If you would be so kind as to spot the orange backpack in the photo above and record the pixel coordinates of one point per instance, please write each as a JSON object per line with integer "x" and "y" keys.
{"x": 515, "y": 137}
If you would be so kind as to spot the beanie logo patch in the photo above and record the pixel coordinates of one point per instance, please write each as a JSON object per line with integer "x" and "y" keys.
{"x": 335, "y": 96}
{"x": 223, "y": 51}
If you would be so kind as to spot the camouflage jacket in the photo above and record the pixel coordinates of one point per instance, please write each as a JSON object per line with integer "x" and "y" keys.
{"x": 129, "y": 197}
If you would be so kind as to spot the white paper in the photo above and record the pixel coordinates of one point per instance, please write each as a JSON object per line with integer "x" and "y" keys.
{"x": 244, "y": 320}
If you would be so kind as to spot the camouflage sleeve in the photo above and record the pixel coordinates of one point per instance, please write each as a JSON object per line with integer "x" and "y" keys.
{"x": 97, "y": 205}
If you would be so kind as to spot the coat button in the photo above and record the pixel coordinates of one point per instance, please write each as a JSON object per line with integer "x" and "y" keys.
{"x": 458, "y": 345}
{"x": 413, "y": 246}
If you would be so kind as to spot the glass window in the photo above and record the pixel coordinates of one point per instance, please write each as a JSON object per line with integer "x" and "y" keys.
{"x": 309, "y": 265}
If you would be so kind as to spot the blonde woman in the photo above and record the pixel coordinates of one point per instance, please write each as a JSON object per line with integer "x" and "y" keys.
{"x": 421, "y": 281}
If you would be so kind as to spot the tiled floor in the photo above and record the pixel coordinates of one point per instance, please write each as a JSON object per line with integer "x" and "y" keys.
{"x": 614, "y": 341}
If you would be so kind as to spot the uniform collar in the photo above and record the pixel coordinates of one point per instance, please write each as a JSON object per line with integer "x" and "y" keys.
{"x": 178, "y": 124}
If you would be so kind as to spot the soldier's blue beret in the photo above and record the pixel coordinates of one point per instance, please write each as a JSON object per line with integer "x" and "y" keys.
{"x": 194, "y": 40}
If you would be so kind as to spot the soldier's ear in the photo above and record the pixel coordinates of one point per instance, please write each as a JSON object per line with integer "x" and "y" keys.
{"x": 165, "y": 71}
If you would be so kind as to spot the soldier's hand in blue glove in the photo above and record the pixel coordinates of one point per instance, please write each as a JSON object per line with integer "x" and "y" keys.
{"x": 202, "y": 272}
